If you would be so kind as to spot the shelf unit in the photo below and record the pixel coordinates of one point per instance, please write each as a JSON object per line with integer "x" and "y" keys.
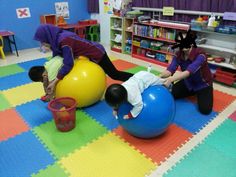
{"x": 225, "y": 65}
{"x": 151, "y": 41}
{"x": 116, "y": 33}
{"x": 127, "y": 35}
{"x": 48, "y": 19}
{"x": 219, "y": 45}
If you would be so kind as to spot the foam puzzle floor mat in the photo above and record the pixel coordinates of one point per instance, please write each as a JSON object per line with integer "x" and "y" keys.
{"x": 30, "y": 144}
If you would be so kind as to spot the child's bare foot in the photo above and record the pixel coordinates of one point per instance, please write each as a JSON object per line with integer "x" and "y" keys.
{"x": 47, "y": 98}
{"x": 44, "y": 98}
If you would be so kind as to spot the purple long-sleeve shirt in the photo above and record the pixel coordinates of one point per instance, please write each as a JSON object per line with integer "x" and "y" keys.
{"x": 75, "y": 46}
{"x": 69, "y": 46}
{"x": 200, "y": 74}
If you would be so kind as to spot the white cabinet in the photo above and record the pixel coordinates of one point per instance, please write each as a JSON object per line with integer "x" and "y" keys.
{"x": 116, "y": 33}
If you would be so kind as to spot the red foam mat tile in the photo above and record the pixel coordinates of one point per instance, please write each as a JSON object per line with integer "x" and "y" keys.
{"x": 111, "y": 81}
{"x": 11, "y": 124}
{"x": 160, "y": 148}
{"x": 123, "y": 65}
{"x": 220, "y": 102}
{"x": 233, "y": 116}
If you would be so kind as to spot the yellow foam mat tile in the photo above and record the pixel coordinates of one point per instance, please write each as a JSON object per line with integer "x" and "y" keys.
{"x": 107, "y": 156}
{"x": 25, "y": 93}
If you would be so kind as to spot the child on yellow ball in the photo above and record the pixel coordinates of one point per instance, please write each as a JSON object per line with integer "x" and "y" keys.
{"x": 69, "y": 46}
{"x": 46, "y": 74}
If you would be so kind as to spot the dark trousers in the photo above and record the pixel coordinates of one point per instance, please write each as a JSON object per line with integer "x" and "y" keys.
{"x": 111, "y": 71}
{"x": 204, "y": 96}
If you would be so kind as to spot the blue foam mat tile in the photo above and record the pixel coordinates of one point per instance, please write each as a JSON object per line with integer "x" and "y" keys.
{"x": 23, "y": 155}
{"x": 28, "y": 64}
{"x": 14, "y": 80}
{"x": 35, "y": 112}
{"x": 102, "y": 113}
{"x": 188, "y": 117}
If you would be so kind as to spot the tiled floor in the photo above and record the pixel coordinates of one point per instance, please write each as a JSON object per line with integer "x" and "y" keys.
{"x": 30, "y": 54}
{"x": 220, "y": 90}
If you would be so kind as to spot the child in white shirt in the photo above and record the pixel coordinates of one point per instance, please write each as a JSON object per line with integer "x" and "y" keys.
{"x": 130, "y": 91}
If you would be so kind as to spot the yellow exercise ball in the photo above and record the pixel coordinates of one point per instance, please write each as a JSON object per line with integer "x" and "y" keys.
{"x": 86, "y": 83}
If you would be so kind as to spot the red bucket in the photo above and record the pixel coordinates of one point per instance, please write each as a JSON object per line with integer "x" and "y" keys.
{"x": 63, "y": 110}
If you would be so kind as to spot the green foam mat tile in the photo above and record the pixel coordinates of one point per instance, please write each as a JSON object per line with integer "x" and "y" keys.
{"x": 61, "y": 143}
{"x": 53, "y": 170}
{"x": 10, "y": 70}
{"x": 204, "y": 161}
{"x": 223, "y": 138}
{"x": 141, "y": 68}
{"x": 215, "y": 157}
{"x": 4, "y": 104}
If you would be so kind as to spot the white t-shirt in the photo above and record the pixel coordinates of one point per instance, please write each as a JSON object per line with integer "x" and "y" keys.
{"x": 136, "y": 85}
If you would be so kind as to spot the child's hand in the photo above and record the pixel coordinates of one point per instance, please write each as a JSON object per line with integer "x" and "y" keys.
{"x": 115, "y": 114}
{"x": 51, "y": 97}
{"x": 126, "y": 117}
{"x": 51, "y": 86}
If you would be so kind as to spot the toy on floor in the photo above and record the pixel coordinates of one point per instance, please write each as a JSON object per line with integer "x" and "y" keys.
{"x": 156, "y": 116}
{"x": 63, "y": 110}
{"x": 86, "y": 83}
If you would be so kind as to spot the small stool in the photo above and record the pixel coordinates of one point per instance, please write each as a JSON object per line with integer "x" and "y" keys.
{"x": 93, "y": 33}
{"x": 1, "y": 48}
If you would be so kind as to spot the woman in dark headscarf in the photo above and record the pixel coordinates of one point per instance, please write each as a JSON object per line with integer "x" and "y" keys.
{"x": 195, "y": 77}
{"x": 70, "y": 46}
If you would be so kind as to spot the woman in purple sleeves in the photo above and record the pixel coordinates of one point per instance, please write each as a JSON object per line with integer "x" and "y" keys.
{"x": 69, "y": 46}
{"x": 195, "y": 77}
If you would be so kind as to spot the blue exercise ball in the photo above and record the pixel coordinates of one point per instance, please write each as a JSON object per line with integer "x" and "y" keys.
{"x": 157, "y": 114}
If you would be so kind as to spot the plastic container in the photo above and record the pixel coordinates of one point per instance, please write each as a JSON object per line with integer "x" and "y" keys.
{"x": 198, "y": 25}
{"x": 225, "y": 77}
{"x": 211, "y": 20}
{"x": 63, "y": 110}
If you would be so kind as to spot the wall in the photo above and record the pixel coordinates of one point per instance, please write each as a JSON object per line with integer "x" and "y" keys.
{"x": 24, "y": 28}
{"x": 105, "y": 22}
{"x": 104, "y": 25}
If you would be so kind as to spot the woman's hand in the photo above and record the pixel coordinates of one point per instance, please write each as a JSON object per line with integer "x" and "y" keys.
{"x": 168, "y": 82}
{"x": 165, "y": 74}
